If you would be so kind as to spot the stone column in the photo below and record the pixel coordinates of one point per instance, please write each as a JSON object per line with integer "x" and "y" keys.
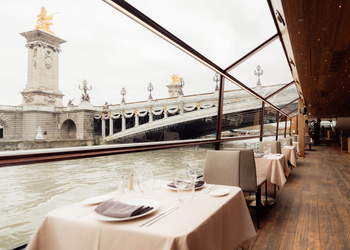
{"x": 110, "y": 125}
{"x": 150, "y": 115}
{"x": 42, "y": 88}
{"x": 136, "y": 119}
{"x": 123, "y": 123}
{"x": 103, "y": 127}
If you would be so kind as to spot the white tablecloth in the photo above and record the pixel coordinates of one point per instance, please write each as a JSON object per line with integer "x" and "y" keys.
{"x": 290, "y": 154}
{"x": 274, "y": 167}
{"x": 296, "y": 145}
{"x": 206, "y": 223}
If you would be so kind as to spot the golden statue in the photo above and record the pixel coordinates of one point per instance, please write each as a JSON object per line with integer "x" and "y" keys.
{"x": 44, "y": 22}
{"x": 175, "y": 79}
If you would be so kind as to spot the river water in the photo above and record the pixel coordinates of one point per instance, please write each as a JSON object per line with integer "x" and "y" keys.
{"x": 29, "y": 192}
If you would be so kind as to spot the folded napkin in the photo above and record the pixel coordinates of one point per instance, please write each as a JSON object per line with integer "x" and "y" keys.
{"x": 196, "y": 185}
{"x": 118, "y": 209}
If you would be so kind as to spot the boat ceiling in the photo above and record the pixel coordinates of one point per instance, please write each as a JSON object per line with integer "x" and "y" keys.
{"x": 317, "y": 38}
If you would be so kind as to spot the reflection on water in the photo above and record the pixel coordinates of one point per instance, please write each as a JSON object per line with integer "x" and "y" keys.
{"x": 29, "y": 192}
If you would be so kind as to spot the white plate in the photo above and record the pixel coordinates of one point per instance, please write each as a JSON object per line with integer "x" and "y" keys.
{"x": 136, "y": 202}
{"x": 97, "y": 199}
{"x": 219, "y": 191}
{"x": 175, "y": 189}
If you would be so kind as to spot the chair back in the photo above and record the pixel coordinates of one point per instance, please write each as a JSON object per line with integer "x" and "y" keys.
{"x": 247, "y": 169}
{"x": 307, "y": 139}
{"x": 289, "y": 141}
{"x": 295, "y": 138}
{"x": 275, "y": 146}
{"x": 222, "y": 167}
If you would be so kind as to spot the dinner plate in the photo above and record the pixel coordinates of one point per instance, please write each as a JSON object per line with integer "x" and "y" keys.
{"x": 219, "y": 191}
{"x": 97, "y": 199}
{"x": 175, "y": 189}
{"x": 136, "y": 202}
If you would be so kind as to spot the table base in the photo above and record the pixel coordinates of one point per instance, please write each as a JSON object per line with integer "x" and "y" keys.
{"x": 251, "y": 200}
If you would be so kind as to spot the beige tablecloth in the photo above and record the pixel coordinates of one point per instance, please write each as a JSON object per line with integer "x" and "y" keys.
{"x": 290, "y": 154}
{"x": 205, "y": 223}
{"x": 296, "y": 145}
{"x": 273, "y": 167}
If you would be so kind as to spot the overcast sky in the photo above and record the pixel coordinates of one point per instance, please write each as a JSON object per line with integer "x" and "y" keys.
{"x": 111, "y": 51}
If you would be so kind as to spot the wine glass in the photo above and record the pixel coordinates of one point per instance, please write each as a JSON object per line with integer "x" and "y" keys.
{"x": 185, "y": 190}
{"x": 137, "y": 171}
{"x": 146, "y": 183}
{"x": 269, "y": 148}
{"x": 192, "y": 171}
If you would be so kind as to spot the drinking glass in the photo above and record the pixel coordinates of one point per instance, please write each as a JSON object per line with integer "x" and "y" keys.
{"x": 138, "y": 171}
{"x": 185, "y": 188}
{"x": 146, "y": 183}
{"x": 192, "y": 171}
{"x": 269, "y": 148}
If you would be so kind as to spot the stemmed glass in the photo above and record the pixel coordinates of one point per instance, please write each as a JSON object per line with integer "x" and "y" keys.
{"x": 181, "y": 183}
{"x": 146, "y": 183}
{"x": 138, "y": 171}
{"x": 192, "y": 171}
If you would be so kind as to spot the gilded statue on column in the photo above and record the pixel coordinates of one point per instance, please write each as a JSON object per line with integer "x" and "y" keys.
{"x": 44, "y": 21}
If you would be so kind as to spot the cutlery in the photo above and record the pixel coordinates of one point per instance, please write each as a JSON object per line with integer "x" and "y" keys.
{"x": 163, "y": 215}
{"x": 165, "y": 212}
{"x": 207, "y": 190}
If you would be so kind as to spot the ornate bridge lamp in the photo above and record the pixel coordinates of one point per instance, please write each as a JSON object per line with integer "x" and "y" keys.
{"x": 85, "y": 96}
{"x": 123, "y": 93}
{"x": 258, "y": 72}
{"x": 150, "y": 89}
{"x": 216, "y": 80}
{"x": 182, "y": 84}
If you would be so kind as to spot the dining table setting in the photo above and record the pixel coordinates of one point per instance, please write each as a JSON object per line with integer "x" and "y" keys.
{"x": 167, "y": 214}
{"x": 272, "y": 166}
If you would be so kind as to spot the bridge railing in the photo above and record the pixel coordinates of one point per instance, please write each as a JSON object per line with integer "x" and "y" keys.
{"x": 11, "y": 108}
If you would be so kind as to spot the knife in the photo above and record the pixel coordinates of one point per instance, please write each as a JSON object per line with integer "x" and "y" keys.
{"x": 159, "y": 215}
{"x": 163, "y": 215}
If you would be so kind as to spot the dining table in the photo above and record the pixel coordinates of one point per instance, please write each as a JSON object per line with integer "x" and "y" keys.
{"x": 290, "y": 154}
{"x": 212, "y": 220}
{"x": 297, "y": 147}
{"x": 274, "y": 167}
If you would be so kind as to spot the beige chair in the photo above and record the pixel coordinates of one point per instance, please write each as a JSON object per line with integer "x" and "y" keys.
{"x": 289, "y": 141}
{"x": 275, "y": 146}
{"x": 235, "y": 167}
{"x": 222, "y": 167}
{"x": 307, "y": 140}
{"x": 295, "y": 138}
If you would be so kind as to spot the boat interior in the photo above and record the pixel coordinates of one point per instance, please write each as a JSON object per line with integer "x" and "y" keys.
{"x": 311, "y": 209}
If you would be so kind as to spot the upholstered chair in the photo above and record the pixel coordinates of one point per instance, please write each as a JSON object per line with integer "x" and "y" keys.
{"x": 289, "y": 141}
{"x": 275, "y": 146}
{"x": 249, "y": 181}
{"x": 234, "y": 168}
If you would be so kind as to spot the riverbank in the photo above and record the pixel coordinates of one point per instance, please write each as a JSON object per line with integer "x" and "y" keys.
{"x": 12, "y": 145}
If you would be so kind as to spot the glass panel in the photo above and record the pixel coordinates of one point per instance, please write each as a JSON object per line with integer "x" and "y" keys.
{"x": 270, "y": 123}
{"x": 215, "y": 29}
{"x": 293, "y": 107}
{"x": 285, "y": 96}
{"x": 241, "y": 114}
{"x": 248, "y": 143}
{"x": 26, "y": 200}
{"x": 266, "y": 71}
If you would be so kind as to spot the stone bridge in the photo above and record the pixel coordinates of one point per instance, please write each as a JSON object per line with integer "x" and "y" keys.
{"x": 185, "y": 117}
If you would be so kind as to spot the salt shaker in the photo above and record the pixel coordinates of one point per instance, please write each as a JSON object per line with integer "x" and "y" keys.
{"x": 121, "y": 187}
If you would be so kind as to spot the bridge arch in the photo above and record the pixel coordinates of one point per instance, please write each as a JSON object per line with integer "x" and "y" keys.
{"x": 68, "y": 129}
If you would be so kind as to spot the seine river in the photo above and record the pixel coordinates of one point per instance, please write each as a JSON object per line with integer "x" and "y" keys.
{"x": 29, "y": 192}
